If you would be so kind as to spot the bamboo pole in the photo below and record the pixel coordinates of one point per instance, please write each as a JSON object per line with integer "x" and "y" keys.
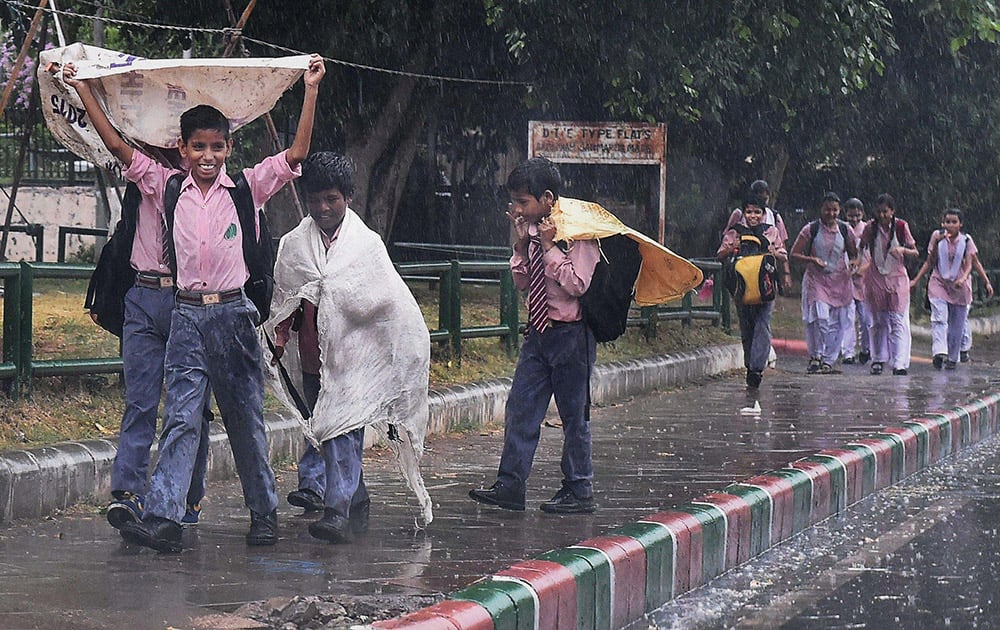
{"x": 20, "y": 58}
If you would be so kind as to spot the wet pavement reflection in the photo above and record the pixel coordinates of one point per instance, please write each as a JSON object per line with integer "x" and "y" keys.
{"x": 650, "y": 453}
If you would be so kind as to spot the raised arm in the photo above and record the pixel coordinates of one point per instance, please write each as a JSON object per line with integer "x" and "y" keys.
{"x": 303, "y": 134}
{"x": 109, "y": 135}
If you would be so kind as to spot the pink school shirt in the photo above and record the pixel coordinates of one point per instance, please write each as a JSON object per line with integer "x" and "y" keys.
{"x": 731, "y": 238}
{"x": 567, "y": 276}
{"x": 207, "y": 235}
{"x": 887, "y": 293}
{"x": 147, "y": 248}
{"x": 832, "y": 286}
{"x": 937, "y": 287}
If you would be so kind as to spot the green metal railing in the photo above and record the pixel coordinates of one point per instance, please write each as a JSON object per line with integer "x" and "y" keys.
{"x": 19, "y": 366}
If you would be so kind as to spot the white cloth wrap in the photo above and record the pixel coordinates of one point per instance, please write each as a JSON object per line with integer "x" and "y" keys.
{"x": 374, "y": 343}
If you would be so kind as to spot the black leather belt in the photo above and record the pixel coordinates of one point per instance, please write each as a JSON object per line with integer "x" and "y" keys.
{"x": 153, "y": 281}
{"x": 555, "y": 323}
{"x": 197, "y": 298}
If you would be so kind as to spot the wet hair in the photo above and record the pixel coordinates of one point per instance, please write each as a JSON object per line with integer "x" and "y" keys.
{"x": 854, "y": 203}
{"x": 831, "y": 196}
{"x": 759, "y": 186}
{"x": 325, "y": 170}
{"x": 203, "y": 117}
{"x": 753, "y": 201}
{"x": 886, "y": 198}
{"x": 535, "y": 176}
{"x": 956, "y": 212}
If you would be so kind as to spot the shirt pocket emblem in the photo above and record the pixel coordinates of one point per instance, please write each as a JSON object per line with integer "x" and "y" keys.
{"x": 230, "y": 232}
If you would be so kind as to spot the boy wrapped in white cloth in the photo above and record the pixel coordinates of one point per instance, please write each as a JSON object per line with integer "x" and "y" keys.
{"x": 352, "y": 340}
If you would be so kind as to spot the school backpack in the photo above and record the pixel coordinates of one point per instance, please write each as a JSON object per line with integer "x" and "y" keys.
{"x": 114, "y": 276}
{"x": 606, "y": 303}
{"x": 258, "y": 253}
{"x": 751, "y": 276}
{"x": 814, "y": 232}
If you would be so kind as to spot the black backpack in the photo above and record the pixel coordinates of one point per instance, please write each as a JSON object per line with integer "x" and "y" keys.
{"x": 257, "y": 253}
{"x": 114, "y": 275}
{"x": 606, "y": 303}
{"x": 814, "y": 232}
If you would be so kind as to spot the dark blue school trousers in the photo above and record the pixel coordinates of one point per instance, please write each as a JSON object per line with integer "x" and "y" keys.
{"x": 557, "y": 362}
{"x": 335, "y": 474}
{"x": 217, "y": 345}
{"x": 144, "y": 343}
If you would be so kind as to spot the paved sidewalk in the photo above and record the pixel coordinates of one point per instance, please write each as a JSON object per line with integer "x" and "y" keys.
{"x": 652, "y": 452}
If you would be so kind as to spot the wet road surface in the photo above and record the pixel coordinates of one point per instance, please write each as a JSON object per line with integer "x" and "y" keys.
{"x": 650, "y": 453}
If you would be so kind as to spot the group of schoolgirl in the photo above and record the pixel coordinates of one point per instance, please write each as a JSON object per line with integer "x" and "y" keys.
{"x": 192, "y": 272}
{"x": 856, "y": 279}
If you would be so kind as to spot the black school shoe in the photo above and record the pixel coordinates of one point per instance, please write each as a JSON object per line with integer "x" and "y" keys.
{"x": 864, "y": 357}
{"x": 263, "y": 529}
{"x": 939, "y": 361}
{"x": 306, "y": 499}
{"x": 331, "y": 528}
{"x": 500, "y": 496}
{"x": 565, "y": 502}
{"x": 358, "y": 517}
{"x": 754, "y": 378}
{"x": 161, "y": 534}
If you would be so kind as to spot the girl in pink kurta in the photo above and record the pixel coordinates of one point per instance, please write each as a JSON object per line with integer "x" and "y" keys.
{"x": 859, "y": 320}
{"x": 887, "y": 286}
{"x": 828, "y": 251}
{"x": 950, "y": 253}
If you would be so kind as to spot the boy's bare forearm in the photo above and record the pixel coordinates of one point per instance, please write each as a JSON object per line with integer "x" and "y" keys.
{"x": 303, "y": 134}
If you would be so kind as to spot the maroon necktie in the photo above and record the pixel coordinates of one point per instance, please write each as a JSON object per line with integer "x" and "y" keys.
{"x": 538, "y": 302}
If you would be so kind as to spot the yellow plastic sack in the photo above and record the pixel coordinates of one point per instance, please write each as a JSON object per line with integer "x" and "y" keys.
{"x": 663, "y": 277}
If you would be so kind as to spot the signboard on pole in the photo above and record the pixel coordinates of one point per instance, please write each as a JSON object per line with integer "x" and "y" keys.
{"x": 603, "y": 143}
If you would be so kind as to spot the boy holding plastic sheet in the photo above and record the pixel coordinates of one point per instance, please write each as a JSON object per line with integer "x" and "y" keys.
{"x": 559, "y": 350}
{"x": 213, "y": 338}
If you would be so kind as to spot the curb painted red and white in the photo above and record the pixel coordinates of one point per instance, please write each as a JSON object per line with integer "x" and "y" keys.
{"x": 610, "y": 581}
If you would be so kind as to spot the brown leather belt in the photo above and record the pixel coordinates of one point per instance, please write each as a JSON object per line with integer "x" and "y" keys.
{"x": 153, "y": 281}
{"x": 197, "y": 298}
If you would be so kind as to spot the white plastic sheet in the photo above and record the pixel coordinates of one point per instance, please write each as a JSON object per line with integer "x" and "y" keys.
{"x": 144, "y": 98}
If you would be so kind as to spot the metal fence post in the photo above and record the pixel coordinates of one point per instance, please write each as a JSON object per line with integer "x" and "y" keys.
{"x": 12, "y": 329}
{"x": 24, "y": 351}
{"x": 455, "y": 299}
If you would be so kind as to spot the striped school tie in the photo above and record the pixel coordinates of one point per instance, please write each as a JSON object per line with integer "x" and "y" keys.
{"x": 538, "y": 301}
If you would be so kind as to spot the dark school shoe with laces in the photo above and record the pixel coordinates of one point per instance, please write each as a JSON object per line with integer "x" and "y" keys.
{"x": 864, "y": 357}
{"x": 263, "y": 529}
{"x": 939, "y": 361}
{"x": 125, "y": 508}
{"x": 306, "y": 499}
{"x": 155, "y": 532}
{"x": 876, "y": 368}
{"x": 332, "y": 528}
{"x": 191, "y": 515}
{"x": 565, "y": 502}
{"x": 500, "y": 496}
{"x": 899, "y": 372}
{"x": 949, "y": 365}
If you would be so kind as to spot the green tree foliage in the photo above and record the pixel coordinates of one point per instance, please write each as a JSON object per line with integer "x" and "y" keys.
{"x": 857, "y": 96}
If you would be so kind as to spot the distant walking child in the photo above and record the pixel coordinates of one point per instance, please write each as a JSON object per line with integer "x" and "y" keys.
{"x": 755, "y": 319}
{"x": 887, "y": 286}
{"x": 950, "y": 254}
{"x": 213, "y": 339}
{"x": 859, "y": 320}
{"x": 558, "y": 353}
{"x": 827, "y": 248}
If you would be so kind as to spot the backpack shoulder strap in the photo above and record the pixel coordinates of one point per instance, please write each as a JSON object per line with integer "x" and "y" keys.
{"x": 171, "y": 194}
{"x": 813, "y": 233}
{"x": 245, "y": 210}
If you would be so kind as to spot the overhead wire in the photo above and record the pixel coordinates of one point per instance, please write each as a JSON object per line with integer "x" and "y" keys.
{"x": 229, "y": 32}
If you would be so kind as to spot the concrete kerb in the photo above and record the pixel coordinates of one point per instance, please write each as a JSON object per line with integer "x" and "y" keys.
{"x": 640, "y": 566}
{"x": 35, "y": 483}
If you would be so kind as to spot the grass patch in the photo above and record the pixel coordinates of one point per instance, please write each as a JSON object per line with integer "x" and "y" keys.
{"x": 87, "y": 407}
